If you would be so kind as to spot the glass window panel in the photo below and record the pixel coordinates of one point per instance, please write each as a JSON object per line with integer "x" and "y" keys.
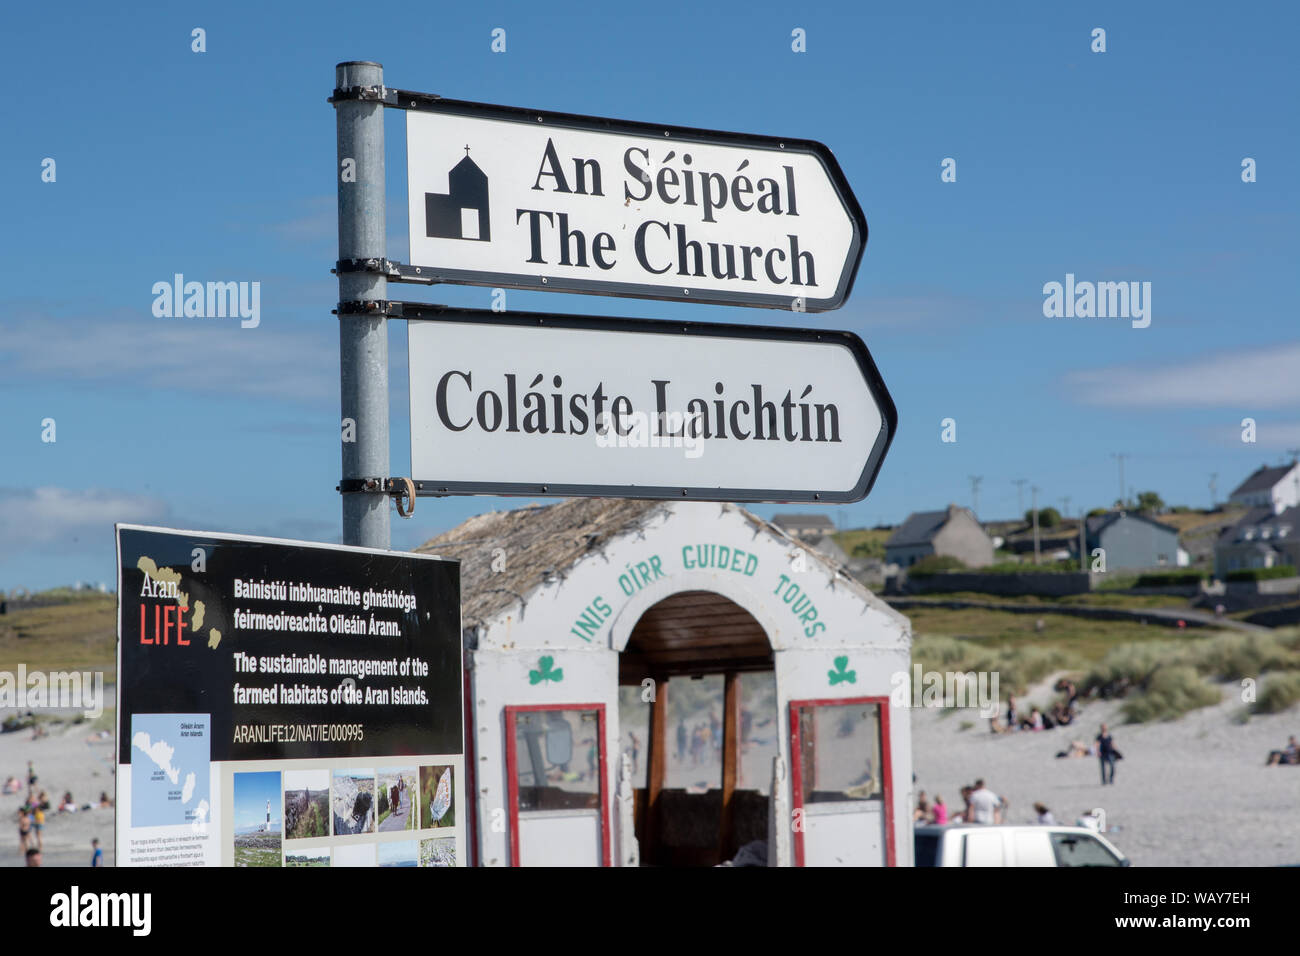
{"x": 695, "y": 733}
{"x": 758, "y": 731}
{"x": 1079, "y": 849}
{"x": 634, "y": 725}
{"x": 557, "y": 760}
{"x": 839, "y": 752}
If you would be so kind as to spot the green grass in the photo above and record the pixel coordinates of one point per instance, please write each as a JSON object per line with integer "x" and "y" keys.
{"x": 256, "y": 856}
{"x": 1171, "y": 693}
{"x": 1081, "y": 640}
{"x": 1280, "y": 692}
{"x": 862, "y": 542}
{"x": 79, "y": 635}
{"x": 1088, "y": 599}
{"x": 1017, "y": 667}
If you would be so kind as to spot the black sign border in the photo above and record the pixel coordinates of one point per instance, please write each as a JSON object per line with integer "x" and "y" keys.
{"x": 431, "y": 103}
{"x": 503, "y": 320}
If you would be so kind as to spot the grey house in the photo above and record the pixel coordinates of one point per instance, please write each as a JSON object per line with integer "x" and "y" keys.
{"x": 955, "y": 533}
{"x": 1261, "y": 539}
{"x": 1132, "y": 541}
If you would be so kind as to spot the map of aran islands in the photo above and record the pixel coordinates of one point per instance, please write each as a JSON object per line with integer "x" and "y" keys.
{"x": 170, "y": 769}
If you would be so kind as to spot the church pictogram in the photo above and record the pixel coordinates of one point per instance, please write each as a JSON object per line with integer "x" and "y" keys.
{"x": 461, "y": 212}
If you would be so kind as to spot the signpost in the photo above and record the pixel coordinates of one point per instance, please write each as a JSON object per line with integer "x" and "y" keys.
{"x": 528, "y": 199}
{"x": 527, "y": 403}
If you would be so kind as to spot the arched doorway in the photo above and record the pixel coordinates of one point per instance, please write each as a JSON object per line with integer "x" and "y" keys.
{"x": 698, "y": 713}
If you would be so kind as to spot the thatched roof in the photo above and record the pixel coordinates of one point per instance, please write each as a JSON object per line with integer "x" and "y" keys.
{"x": 539, "y": 543}
{"x": 536, "y": 542}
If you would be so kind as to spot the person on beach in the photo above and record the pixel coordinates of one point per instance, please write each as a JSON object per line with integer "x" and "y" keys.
{"x": 985, "y": 805}
{"x": 939, "y": 813}
{"x": 97, "y": 857}
{"x": 1107, "y": 754}
{"x": 1045, "y": 817}
{"x": 24, "y": 830}
{"x": 104, "y": 802}
{"x": 965, "y": 815}
{"x": 38, "y": 824}
{"x": 33, "y": 856}
{"x": 922, "y": 811}
{"x": 1290, "y": 754}
{"x": 67, "y": 804}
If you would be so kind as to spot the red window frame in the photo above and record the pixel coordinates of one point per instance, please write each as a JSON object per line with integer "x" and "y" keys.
{"x": 886, "y": 777}
{"x": 512, "y": 779}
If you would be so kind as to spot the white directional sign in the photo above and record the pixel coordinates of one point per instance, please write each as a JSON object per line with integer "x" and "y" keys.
{"x": 527, "y": 403}
{"x": 527, "y": 199}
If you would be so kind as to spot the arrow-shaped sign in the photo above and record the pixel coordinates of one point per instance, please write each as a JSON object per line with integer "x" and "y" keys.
{"x": 633, "y": 408}
{"x": 501, "y": 196}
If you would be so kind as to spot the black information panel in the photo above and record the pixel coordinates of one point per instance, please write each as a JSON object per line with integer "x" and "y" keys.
{"x": 291, "y": 649}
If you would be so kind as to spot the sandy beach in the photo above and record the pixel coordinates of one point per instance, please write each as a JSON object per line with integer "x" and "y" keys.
{"x": 63, "y": 761}
{"x": 1190, "y": 792}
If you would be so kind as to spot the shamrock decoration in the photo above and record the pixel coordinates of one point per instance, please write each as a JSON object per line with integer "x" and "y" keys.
{"x": 841, "y": 672}
{"x": 545, "y": 671}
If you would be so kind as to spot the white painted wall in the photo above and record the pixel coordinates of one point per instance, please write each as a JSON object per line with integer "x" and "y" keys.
{"x": 848, "y": 621}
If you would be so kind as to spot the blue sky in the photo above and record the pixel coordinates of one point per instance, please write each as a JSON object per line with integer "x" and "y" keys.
{"x": 1123, "y": 165}
{"x": 252, "y": 791}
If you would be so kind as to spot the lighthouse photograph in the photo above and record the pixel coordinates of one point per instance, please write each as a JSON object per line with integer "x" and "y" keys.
{"x": 257, "y": 819}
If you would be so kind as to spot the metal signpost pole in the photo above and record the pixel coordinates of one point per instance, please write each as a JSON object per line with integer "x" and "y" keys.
{"x": 363, "y": 339}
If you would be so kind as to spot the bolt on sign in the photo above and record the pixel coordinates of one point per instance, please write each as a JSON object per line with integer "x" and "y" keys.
{"x": 285, "y": 703}
{"x": 528, "y": 199}
{"x": 529, "y": 403}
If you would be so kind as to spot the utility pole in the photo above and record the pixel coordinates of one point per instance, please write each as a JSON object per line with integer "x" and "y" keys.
{"x": 1020, "y": 495}
{"x": 363, "y": 339}
{"x": 1035, "y": 507}
{"x": 1120, "y": 458}
{"x": 1083, "y": 541}
{"x": 975, "y": 494}
{"x": 1214, "y": 488}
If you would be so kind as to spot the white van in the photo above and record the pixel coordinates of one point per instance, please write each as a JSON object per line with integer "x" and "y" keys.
{"x": 977, "y": 844}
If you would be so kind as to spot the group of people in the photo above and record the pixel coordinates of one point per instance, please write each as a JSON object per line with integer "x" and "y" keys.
{"x": 979, "y": 805}
{"x": 1290, "y": 754}
{"x": 31, "y": 817}
{"x": 703, "y": 742}
{"x": 1063, "y": 713}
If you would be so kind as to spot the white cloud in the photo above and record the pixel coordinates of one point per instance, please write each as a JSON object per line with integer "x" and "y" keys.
{"x": 293, "y": 361}
{"x": 58, "y": 519}
{"x": 1243, "y": 380}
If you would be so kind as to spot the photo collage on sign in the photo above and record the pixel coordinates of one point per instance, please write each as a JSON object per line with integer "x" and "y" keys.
{"x": 376, "y": 815}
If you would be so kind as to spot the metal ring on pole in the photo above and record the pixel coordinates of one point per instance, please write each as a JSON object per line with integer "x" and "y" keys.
{"x": 407, "y": 491}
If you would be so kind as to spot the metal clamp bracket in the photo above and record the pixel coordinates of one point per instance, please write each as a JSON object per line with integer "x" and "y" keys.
{"x": 395, "y": 271}
{"x": 385, "y": 267}
{"x": 401, "y": 489}
{"x": 375, "y": 486}
{"x": 378, "y": 308}
{"x": 372, "y": 94}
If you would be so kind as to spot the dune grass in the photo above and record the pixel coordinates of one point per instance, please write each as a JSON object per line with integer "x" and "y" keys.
{"x": 80, "y": 635}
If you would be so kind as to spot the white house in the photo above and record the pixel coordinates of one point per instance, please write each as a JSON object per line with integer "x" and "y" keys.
{"x": 1276, "y": 488}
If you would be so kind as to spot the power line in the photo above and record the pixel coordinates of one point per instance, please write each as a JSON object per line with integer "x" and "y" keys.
{"x": 975, "y": 494}
{"x": 1120, "y": 458}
